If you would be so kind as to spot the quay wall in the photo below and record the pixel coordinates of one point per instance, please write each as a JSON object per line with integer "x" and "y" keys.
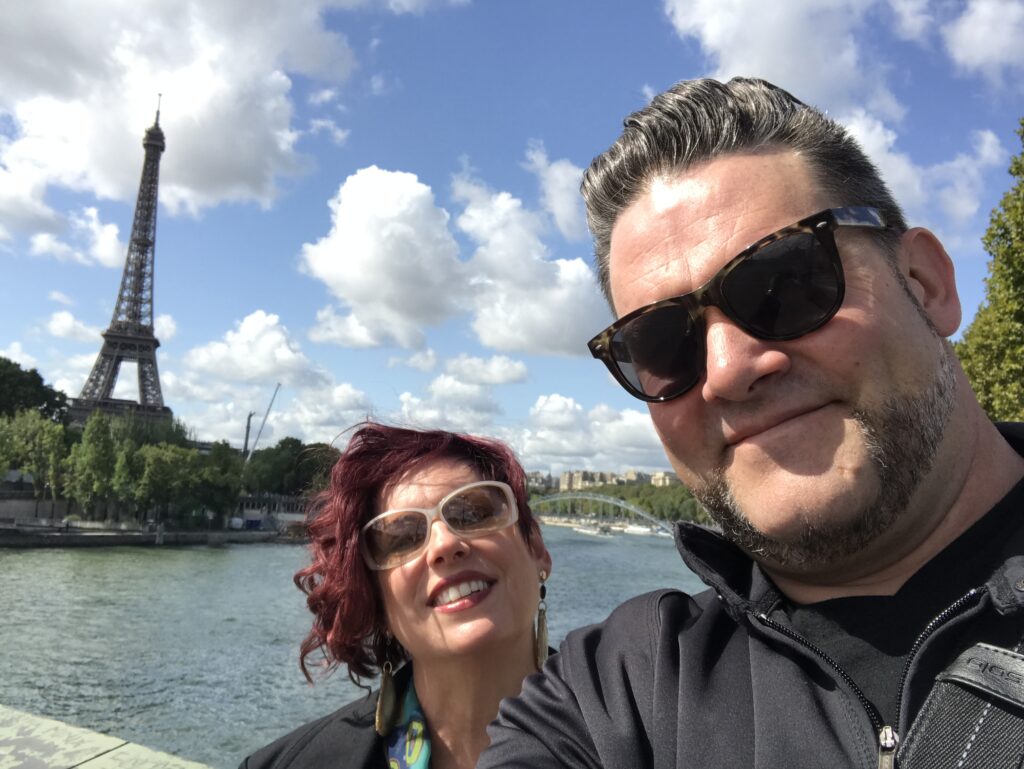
{"x": 23, "y": 538}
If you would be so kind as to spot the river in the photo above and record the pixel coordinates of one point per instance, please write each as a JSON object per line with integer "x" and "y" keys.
{"x": 193, "y": 650}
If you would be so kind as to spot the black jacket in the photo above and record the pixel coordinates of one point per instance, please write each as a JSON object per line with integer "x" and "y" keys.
{"x": 721, "y": 679}
{"x": 345, "y": 739}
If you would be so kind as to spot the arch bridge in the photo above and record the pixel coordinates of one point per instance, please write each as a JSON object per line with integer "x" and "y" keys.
{"x": 602, "y": 500}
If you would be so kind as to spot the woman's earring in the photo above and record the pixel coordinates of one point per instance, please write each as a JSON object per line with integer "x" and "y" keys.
{"x": 384, "y": 720}
{"x": 541, "y": 648}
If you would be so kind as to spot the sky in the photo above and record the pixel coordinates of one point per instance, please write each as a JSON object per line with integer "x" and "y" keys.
{"x": 375, "y": 203}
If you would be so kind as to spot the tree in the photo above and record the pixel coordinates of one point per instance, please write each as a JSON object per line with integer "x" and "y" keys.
{"x": 168, "y": 482}
{"x": 20, "y": 389}
{"x": 220, "y": 479}
{"x": 90, "y": 466}
{"x": 36, "y": 448}
{"x": 992, "y": 348}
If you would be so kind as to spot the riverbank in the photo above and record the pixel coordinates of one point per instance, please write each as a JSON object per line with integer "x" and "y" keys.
{"x": 28, "y": 740}
{"x": 32, "y": 537}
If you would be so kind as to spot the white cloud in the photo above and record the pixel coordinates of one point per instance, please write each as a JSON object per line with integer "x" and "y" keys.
{"x": 190, "y": 386}
{"x": 424, "y": 360}
{"x": 66, "y": 326}
{"x": 322, "y": 413}
{"x": 221, "y": 66}
{"x": 960, "y": 183}
{"x": 523, "y": 302}
{"x": 811, "y": 49}
{"x": 102, "y": 239}
{"x": 47, "y": 244}
{"x": 325, "y": 125}
{"x": 421, "y": 6}
{"x": 466, "y": 408}
{"x": 988, "y": 37}
{"x": 648, "y": 93}
{"x": 14, "y": 351}
{"x": 164, "y": 327}
{"x": 904, "y": 178}
{"x": 913, "y": 18}
{"x": 560, "y": 191}
{"x": 322, "y": 96}
{"x": 561, "y": 435}
{"x": 60, "y": 298}
{"x": 259, "y": 349}
{"x": 389, "y": 257}
{"x": 70, "y": 372}
{"x": 379, "y": 85}
{"x": 495, "y": 370}
{"x": 555, "y": 317}
{"x": 91, "y": 241}
{"x": 955, "y": 186}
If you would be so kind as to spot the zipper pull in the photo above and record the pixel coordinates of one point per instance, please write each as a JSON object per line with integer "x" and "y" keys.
{"x": 888, "y": 741}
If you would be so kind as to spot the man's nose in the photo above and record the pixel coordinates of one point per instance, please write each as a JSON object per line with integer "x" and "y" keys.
{"x": 736, "y": 362}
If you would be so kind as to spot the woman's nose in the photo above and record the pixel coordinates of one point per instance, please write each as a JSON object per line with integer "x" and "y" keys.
{"x": 443, "y": 545}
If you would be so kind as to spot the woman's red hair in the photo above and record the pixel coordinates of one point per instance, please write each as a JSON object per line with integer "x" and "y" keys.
{"x": 349, "y": 626}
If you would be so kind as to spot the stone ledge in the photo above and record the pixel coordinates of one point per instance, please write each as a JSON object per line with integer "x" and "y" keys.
{"x": 34, "y": 742}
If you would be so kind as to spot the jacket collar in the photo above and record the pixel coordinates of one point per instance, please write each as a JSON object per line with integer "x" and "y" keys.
{"x": 739, "y": 582}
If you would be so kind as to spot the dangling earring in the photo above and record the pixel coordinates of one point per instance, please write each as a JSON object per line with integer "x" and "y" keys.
{"x": 540, "y": 651}
{"x": 384, "y": 719}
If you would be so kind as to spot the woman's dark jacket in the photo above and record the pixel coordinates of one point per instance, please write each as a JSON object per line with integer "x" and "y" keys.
{"x": 345, "y": 739}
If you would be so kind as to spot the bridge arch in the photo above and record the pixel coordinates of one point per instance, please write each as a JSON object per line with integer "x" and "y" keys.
{"x": 603, "y": 499}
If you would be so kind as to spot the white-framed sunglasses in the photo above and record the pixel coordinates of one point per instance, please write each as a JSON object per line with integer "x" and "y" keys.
{"x": 396, "y": 537}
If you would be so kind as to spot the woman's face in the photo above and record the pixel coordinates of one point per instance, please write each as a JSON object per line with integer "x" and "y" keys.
{"x": 433, "y": 622}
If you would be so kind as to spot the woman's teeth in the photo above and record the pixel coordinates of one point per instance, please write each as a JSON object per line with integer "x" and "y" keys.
{"x": 453, "y": 593}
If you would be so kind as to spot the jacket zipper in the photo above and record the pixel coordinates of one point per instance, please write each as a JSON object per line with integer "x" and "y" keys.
{"x": 888, "y": 738}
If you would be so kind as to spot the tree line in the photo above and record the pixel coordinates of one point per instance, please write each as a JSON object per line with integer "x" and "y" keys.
{"x": 132, "y": 469}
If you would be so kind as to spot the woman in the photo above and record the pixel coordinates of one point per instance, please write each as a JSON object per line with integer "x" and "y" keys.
{"x": 424, "y": 553}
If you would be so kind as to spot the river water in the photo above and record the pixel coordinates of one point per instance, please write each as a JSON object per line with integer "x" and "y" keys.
{"x": 193, "y": 651}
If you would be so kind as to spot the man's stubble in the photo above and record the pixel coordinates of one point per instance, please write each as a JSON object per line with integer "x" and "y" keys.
{"x": 902, "y": 438}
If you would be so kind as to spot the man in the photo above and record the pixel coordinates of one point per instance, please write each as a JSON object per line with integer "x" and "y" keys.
{"x": 805, "y": 392}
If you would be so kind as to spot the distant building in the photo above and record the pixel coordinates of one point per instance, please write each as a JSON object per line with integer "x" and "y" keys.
{"x": 539, "y": 482}
{"x": 662, "y": 478}
{"x": 578, "y": 480}
{"x": 636, "y": 476}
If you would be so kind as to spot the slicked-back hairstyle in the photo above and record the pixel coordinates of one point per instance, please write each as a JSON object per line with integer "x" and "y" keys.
{"x": 698, "y": 120}
{"x": 349, "y": 624}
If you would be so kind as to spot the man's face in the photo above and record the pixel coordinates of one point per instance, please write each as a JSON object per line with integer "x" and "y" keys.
{"x": 805, "y": 450}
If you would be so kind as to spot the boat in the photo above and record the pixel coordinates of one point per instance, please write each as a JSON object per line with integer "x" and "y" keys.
{"x": 636, "y": 528}
{"x": 603, "y": 530}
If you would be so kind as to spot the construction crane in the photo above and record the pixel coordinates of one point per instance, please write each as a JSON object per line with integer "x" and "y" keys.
{"x": 259, "y": 432}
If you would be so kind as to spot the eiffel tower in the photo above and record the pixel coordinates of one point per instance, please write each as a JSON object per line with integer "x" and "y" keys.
{"x": 130, "y": 335}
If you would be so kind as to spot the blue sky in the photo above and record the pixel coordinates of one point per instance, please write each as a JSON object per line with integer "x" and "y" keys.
{"x": 373, "y": 202}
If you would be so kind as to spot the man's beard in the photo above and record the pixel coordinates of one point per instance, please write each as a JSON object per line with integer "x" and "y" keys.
{"x": 902, "y": 438}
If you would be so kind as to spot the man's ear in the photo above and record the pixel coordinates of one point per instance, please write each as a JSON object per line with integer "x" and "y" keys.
{"x": 930, "y": 276}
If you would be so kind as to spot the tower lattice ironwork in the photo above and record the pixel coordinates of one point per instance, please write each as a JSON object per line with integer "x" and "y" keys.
{"x": 130, "y": 336}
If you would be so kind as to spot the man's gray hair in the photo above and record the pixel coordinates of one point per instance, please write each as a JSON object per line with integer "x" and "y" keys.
{"x": 698, "y": 120}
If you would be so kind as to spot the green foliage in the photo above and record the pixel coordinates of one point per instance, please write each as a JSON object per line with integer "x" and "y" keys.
{"x": 168, "y": 481}
{"x": 20, "y": 389}
{"x": 91, "y": 463}
{"x": 220, "y": 479}
{"x": 35, "y": 446}
{"x": 289, "y": 468}
{"x": 150, "y": 431}
{"x": 667, "y": 503}
{"x": 992, "y": 348}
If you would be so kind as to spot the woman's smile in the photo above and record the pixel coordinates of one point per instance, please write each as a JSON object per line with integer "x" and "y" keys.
{"x": 457, "y": 595}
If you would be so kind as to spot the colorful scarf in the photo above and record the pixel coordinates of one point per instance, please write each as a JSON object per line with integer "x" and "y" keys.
{"x": 409, "y": 742}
